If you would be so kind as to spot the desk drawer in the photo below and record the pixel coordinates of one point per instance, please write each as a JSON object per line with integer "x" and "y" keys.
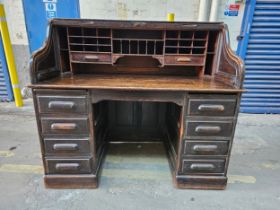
{"x": 61, "y": 147}
{"x": 211, "y": 107}
{"x": 191, "y": 166}
{"x": 91, "y": 57}
{"x": 209, "y": 128}
{"x": 184, "y": 60}
{"x": 65, "y": 125}
{"x": 62, "y": 104}
{"x": 206, "y": 147}
{"x": 68, "y": 166}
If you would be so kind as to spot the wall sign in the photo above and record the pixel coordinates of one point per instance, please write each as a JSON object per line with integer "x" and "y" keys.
{"x": 50, "y": 7}
{"x": 232, "y": 9}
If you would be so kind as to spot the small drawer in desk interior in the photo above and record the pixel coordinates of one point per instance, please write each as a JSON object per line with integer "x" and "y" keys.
{"x": 68, "y": 166}
{"x": 208, "y": 129}
{"x": 91, "y": 57}
{"x": 211, "y": 105}
{"x": 62, "y": 104}
{"x": 199, "y": 147}
{"x": 66, "y": 146}
{"x": 184, "y": 60}
{"x": 202, "y": 166}
{"x": 66, "y": 126}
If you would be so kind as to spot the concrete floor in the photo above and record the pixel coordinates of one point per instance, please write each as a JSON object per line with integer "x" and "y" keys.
{"x": 131, "y": 179}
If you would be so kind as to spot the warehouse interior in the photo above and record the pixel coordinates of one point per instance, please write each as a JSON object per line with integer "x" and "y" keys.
{"x": 137, "y": 175}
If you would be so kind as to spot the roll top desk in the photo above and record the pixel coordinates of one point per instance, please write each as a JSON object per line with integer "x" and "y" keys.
{"x": 95, "y": 82}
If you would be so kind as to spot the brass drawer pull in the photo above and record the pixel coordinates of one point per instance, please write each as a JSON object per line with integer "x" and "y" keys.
{"x": 67, "y": 166}
{"x": 211, "y": 107}
{"x": 202, "y": 167}
{"x": 61, "y": 105}
{"x": 63, "y": 126}
{"x": 67, "y": 147}
{"x": 183, "y": 59}
{"x": 207, "y": 129}
{"x": 205, "y": 148}
{"x": 91, "y": 57}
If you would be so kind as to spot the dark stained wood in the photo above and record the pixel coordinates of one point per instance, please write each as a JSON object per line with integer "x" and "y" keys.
{"x": 184, "y": 60}
{"x": 207, "y": 166}
{"x": 211, "y": 105}
{"x": 71, "y": 181}
{"x": 98, "y": 81}
{"x": 136, "y": 82}
{"x": 68, "y": 147}
{"x": 90, "y": 57}
{"x": 66, "y": 126}
{"x": 65, "y": 104}
{"x": 68, "y": 166}
{"x": 198, "y": 147}
{"x": 211, "y": 128}
{"x": 139, "y": 95}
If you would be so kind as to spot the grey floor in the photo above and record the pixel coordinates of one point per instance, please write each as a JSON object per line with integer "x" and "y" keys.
{"x": 138, "y": 176}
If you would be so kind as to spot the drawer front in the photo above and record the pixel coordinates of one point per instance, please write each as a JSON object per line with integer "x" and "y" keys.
{"x": 209, "y": 128}
{"x": 183, "y": 60}
{"x": 206, "y": 147}
{"x": 61, "y": 147}
{"x": 91, "y": 57}
{"x": 203, "y": 166}
{"x": 64, "y": 125}
{"x": 211, "y": 107}
{"x": 62, "y": 104}
{"x": 68, "y": 166}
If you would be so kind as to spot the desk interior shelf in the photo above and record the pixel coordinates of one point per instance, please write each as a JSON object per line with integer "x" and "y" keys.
{"x": 86, "y": 46}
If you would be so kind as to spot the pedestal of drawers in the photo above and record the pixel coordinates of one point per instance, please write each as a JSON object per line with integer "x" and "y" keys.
{"x": 65, "y": 126}
{"x": 209, "y": 124}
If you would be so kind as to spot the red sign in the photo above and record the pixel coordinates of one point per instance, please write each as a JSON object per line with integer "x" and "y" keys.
{"x": 234, "y": 7}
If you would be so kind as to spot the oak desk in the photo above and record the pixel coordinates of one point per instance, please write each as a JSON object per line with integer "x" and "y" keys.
{"x": 96, "y": 82}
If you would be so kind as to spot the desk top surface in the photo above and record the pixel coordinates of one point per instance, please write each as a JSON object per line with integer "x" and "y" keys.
{"x": 136, "y": 82}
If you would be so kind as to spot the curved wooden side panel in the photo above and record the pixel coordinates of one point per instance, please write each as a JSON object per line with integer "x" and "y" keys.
{"x": 231, "y": 67}
{"x": 43, "y": 63}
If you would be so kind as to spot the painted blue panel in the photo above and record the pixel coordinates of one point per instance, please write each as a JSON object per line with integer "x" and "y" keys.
{"x": 245, "y": 28}
{"x": 37, "y": 13}
{"x": 6, "y": 93}
{"x": 260, "y": 49}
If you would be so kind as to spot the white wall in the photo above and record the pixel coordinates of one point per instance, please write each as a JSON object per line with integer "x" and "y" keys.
{"x": 185, "y": 10}
{"x": 234, "y": 23}
{"x": 16, "y": 21}
{"x": 138, "y": 9}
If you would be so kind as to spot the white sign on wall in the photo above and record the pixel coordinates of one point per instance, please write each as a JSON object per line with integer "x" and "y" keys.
{"x": 50, "y": 7}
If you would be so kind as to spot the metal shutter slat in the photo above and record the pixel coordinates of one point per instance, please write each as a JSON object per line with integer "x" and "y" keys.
{"x": 262, "y": 60}
{"x": 5, "y": 86}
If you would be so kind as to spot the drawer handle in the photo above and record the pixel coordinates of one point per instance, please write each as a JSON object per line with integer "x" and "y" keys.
{"x": 67, "y": 166}
{"x": 202, "y": 167}
{"x": 67, "y": 147}
{"x": 61, "y": 105}
{"x": 183, "y": 59}
{"x": 91, "y": 58}
{"x": 207, "y": 129}
{"x": 63, "y": 126}
{"x": 205, "y": 148}
{"x": 211, "y": 107}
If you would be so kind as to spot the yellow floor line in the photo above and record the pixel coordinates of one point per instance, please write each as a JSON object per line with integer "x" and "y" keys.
{"x": 241, "y": 179}
{"x": 6, "y": 154}
{"x": 19, "y": 168}
{"x": 120, "y": 173}
{"x": 146, "y": 160}
{"x": 136, "y": 174}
